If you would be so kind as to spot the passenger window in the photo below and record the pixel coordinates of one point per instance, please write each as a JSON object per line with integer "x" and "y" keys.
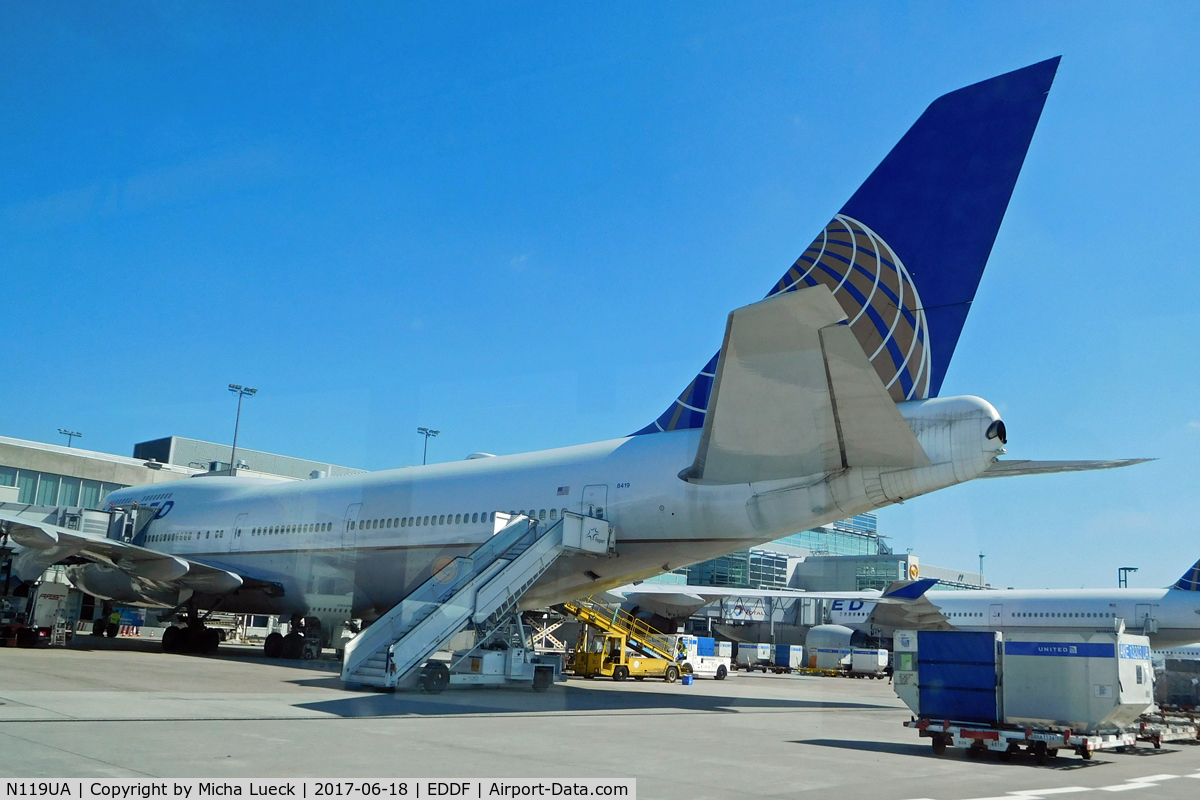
{"x": 403, "y": 522}
{"x": 553, "y": 513}
{"x": 457, "y": 519}
{"x": 442, "y": 519}
{"x": 542, "y": 514}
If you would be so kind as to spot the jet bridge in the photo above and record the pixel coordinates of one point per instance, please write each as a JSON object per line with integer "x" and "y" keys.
{"x": 482, "y": 590}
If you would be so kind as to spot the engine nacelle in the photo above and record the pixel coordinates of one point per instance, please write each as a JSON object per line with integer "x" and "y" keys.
{"x": 829, "y": 646}
{"x": 113, "y": 584}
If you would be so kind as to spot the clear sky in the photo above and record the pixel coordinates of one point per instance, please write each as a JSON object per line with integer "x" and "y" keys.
{"x": 525, "y": 225}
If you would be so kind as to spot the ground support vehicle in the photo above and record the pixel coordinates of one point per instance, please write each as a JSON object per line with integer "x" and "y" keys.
{"x": 607, "y": 655}
{"x": 703, "y": 657}
{"x": 1156, "y": 729}
{"x": 1007, "y": 742}
{"x": 499, "y": 658}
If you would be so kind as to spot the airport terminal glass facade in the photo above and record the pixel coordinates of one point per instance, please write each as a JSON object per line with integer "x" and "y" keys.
{"x": 46, "y": 489}
{"x": 767, "y": 567}
{"x": 856, "y": 536}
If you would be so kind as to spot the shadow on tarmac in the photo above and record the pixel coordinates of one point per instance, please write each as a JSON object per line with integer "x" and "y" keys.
{"x": 1064, "y": 763}
{"x": 560, "y": 699}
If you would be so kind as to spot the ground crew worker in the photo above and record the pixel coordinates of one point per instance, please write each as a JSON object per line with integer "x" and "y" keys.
{"x": 114, "y": 624}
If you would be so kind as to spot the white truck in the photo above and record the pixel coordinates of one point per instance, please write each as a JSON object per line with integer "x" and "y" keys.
{"x": 703, "y": 657}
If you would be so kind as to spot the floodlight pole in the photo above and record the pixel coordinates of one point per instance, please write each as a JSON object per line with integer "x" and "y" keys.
{"x": 70, "y": 435}
{"x": 980, "y": 569}
{"x": 427, "y": 433}
{"x": 241, "y": 392}
{"x": 1123, "y": 576}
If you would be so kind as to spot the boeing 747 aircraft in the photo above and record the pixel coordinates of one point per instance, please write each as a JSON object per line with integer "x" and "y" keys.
{"x": 822, "y": 402}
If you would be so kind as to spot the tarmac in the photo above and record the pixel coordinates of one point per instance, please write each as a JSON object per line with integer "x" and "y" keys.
{"x": 123, "y": 709}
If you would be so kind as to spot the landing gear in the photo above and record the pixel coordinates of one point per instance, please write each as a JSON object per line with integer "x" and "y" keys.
{"x": 293, "y": 645}
{"x": 273, "y": 646}
{"x": 195, "y": 637}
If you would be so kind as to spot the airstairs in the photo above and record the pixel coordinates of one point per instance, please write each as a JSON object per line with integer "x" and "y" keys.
{"x": 482, "y": 590}
{"x": 612, "y": 618}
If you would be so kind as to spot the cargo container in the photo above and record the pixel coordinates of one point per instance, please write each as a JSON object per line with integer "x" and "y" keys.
{"x": 1040, "y": 691}
{"x": 868, "y": 663}
{"x": 754, "y": 656}
{"x": 1085, "y": 682}
{"x": 1178, "y": 684}
{"x": 787, "y": 657}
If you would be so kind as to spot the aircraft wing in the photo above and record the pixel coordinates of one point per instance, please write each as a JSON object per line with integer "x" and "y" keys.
{"x": 46, "y": 544}
{"x": 920, "y": 614}
{"x": 794, "y": 394}
{"x": 1007, "y": 468}
{"x": 679, "y": 600}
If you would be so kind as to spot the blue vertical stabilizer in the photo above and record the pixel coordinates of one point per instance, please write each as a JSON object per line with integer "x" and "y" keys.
{"x": 904, "y": 256}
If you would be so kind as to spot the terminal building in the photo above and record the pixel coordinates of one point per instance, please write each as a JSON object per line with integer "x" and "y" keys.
{"x": 845, "y": 556}
{"x": 51, "y": 474}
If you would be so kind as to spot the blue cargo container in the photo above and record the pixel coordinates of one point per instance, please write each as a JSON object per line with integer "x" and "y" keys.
{"x": 959, "y": 675}
{"x": 787, "y": 657}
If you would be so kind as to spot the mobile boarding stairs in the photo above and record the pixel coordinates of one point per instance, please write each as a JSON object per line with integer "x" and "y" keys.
{"x": 482, "y": 590}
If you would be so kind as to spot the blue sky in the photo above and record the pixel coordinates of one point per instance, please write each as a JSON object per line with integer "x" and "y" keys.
{"x": 525, "y": 225}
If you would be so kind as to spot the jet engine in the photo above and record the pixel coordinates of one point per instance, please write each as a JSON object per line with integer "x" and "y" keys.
{"x": 113, "y": 584}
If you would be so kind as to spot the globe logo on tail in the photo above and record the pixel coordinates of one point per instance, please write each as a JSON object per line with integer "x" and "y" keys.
{"x": 879, "y": 297}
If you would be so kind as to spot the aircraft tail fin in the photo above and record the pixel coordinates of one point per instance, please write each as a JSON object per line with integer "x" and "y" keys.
{"x": 905, "y": 254}
{"x": 1190, "y": 582}
{"x": 909, "y": 590}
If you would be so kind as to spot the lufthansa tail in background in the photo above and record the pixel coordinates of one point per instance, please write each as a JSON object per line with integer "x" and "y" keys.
{"x": 822, "y": 402}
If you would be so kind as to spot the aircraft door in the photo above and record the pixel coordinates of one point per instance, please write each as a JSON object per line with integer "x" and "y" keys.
{"x": 1143, "y": 615}
{"x": 235, "y": 542}
{"x": 996, "y": 615}
{"x": 595, "y": 501}
{"x": 350, "y": 526}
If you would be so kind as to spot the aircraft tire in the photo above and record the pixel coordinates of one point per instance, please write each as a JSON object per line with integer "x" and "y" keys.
{"x": 273, "y": 646}
{"x": 210, "y": 640}
{"x": 293, "y": 646}
{"x": 172, "y": 640}
{"x": 435, "y": 679}
{"x": 112, "y": 630}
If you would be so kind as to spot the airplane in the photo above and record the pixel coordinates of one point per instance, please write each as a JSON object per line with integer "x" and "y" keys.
{"x": 1170, "y": 617}
{"x": 821, "y": 403}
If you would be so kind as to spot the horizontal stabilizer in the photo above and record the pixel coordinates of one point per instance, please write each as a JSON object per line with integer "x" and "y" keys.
{"x": 1006, "y": 469}
{"x": 794, "y": 395}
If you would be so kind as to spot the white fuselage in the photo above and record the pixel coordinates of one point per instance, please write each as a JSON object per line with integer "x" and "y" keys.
{"x": 354, "y": 546}
{"x": 1170, "y": 617}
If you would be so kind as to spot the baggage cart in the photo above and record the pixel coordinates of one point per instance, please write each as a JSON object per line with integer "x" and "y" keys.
{"x": 1006, "y": 742}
